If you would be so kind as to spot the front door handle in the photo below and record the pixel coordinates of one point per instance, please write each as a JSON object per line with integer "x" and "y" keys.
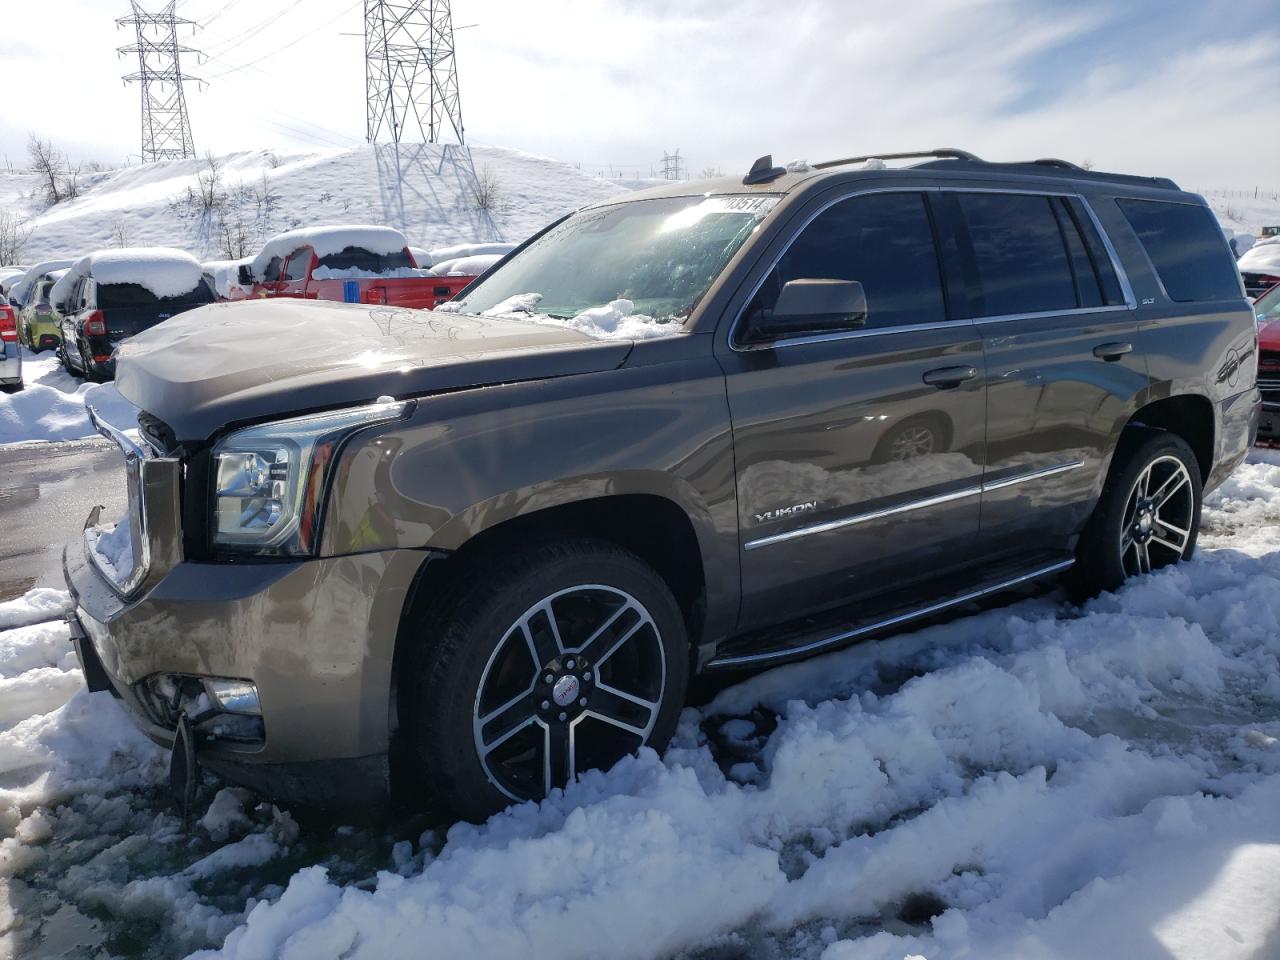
{"x": 1112, "y": 351}
{"x": 944, "y": 378}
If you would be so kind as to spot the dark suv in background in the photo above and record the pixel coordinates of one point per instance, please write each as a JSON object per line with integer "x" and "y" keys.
{"x": 715, "y": 425}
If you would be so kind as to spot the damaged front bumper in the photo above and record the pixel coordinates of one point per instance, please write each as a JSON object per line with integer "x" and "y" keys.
{"x": 284, "y": 668}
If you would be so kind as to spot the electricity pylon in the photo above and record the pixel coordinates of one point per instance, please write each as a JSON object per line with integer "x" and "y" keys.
{"x": 166, "y": 128}
{"x": 411, "y": 76}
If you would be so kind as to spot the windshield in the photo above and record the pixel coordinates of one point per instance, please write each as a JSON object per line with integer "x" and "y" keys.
{"x": 654, "y": 257}
{"x": 116, "y": 295}
{"x": 1267, "y": 306}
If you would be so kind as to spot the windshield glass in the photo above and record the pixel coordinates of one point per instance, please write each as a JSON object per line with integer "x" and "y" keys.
{"x": 647, "y": 261}
{"x": 1267, "y": 306}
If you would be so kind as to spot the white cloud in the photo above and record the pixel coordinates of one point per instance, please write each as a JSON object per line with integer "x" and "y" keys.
{"x": 620, "y": 81}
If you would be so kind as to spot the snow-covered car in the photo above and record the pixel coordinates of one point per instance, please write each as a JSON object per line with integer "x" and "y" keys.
{"x": 352, "y": 264}
{"x": 1260, "y": 266}
{"x": 113, "y": 294}
{"x": 39, "y": 321}
{"x": 224, "y": 277}
{"x": 10, "y": 352}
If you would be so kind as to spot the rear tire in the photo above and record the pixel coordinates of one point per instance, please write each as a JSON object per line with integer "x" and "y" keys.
{"x": 557, "y": 658}
{"x": 1148, "y": 516}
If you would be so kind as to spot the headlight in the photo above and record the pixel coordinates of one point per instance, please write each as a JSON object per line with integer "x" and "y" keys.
{"x": 270, "y": 480}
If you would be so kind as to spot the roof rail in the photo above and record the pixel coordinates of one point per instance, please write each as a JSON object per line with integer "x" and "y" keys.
{"x": 948, "y": 152}
{"x": 1055, "y": 162}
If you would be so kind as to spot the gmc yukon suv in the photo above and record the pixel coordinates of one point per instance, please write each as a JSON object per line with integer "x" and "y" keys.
{"x": 715, "y": 425}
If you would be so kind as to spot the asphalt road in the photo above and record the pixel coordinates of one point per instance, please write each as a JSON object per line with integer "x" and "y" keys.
{"x": 46, "y": 492}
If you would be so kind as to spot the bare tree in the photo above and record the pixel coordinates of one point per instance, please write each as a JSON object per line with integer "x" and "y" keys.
{"x": 13, "y": 237}
{"x": 487, "y": 192}
{"x": 234, "y": 239}
{"x": 710, "y": 173}
{"x": 209, "y": 194}
{"x": 119, "y": 234}
{"x": 49, "y": 164}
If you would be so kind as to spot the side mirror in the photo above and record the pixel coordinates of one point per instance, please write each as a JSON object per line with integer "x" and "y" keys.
{"x": 810, "y": 307}
{"x": 244, "y": 274}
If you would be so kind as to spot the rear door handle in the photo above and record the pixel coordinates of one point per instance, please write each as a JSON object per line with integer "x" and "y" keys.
{"x": 1112, "y": 351}
{"x": 944, "y": 378}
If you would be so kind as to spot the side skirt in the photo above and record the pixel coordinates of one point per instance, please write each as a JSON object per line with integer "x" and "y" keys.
{"x": 752, "y": 651}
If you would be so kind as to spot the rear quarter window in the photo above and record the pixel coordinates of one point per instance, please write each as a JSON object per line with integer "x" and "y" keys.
{"x": 1187, "y": 249}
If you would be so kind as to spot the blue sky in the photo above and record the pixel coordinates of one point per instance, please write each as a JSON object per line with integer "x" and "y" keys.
{"x": 1176, "y": 88}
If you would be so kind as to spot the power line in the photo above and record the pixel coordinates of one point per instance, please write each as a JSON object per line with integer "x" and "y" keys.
{"x": 411, "y": 77}
{"x": 291, "y": 43}
{"x": 166, "y": 128}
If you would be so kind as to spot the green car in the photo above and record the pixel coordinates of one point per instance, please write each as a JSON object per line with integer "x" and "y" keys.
{"x": 39, "y": 324}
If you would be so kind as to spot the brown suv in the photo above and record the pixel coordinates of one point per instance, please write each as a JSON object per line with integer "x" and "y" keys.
{"x": 714, "y": 425}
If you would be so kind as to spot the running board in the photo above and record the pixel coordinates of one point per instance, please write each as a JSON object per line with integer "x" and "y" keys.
{"x": 803, "y": 646}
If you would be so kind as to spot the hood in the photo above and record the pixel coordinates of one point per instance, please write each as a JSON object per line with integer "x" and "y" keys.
{"x": 262, "y": 359}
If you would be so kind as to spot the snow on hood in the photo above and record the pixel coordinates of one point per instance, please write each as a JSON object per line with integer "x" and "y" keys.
{"x": 162, "y": 270}
{"x": 328, "y": 240}
{"x": 1262, "y": 257}
{"x": 18, "y": 292}
{"x": 471, "y": 266}
{"x": 614, "y": 321}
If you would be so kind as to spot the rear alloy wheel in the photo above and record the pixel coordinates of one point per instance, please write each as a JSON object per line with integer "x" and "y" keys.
{"x": 559, "y": 659}
{"x": 1148, "y": 516}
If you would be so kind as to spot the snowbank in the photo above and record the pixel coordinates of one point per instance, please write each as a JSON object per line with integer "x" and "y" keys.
{"x": 163, "y": 271}
{"x": 327, "y": 240}
{"x": 52, "y": 407}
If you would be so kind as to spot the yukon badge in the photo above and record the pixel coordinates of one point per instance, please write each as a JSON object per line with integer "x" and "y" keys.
{"x": 782, "y": 512}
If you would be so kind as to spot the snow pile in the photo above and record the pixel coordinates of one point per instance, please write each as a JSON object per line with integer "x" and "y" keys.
{"x": 328, "y": 240}
{"x": 163, "y": 271}
{"x": 52, "y": 407}
{"x": 1262, "y": 257}
{"x": 1038, "y": 780}
{"x": 469, "y": 266}
{"x": 113, "y": 548}
{"x": 613, "y": 321}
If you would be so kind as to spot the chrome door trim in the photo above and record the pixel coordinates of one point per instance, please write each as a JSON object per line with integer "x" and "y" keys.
{"x": 892, "y": 621}
{"x": 1125, "y": 288}
{"x": 972, "y": 491}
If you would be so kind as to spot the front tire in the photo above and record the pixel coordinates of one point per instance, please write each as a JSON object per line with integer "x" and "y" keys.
{"x": 557, "y": 659}
{"x": 1148, "y": 516}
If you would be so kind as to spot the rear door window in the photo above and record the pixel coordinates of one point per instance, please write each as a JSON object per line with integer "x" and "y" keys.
{"x": 1187, "y": 248}
{"x": 884, "y": 241}
{"x": 1020, "y": 254}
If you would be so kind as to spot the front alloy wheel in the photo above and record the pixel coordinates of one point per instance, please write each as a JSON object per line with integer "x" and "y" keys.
{"x": 576, "y": 683}
{"x": 537, "y": 666}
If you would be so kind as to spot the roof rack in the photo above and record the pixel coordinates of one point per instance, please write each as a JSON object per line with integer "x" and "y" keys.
{"x": 942, "y": 152}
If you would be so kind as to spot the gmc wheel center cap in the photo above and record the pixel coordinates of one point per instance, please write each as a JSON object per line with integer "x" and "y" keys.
{"x": 566, "y": 690}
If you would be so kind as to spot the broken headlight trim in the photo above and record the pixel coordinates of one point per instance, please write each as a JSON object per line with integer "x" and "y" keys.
{"x": 270, "y": 480}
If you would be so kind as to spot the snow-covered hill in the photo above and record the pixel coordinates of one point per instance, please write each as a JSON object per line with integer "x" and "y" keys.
{"x": 437, "y": 194}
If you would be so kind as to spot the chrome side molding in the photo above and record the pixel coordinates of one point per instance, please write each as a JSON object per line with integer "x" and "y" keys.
{"x": 973, "y": 491}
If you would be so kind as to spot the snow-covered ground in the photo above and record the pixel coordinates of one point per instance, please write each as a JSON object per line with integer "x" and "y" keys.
{"x": 1032, "y": 781}
{"x": 52, "y": 406}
